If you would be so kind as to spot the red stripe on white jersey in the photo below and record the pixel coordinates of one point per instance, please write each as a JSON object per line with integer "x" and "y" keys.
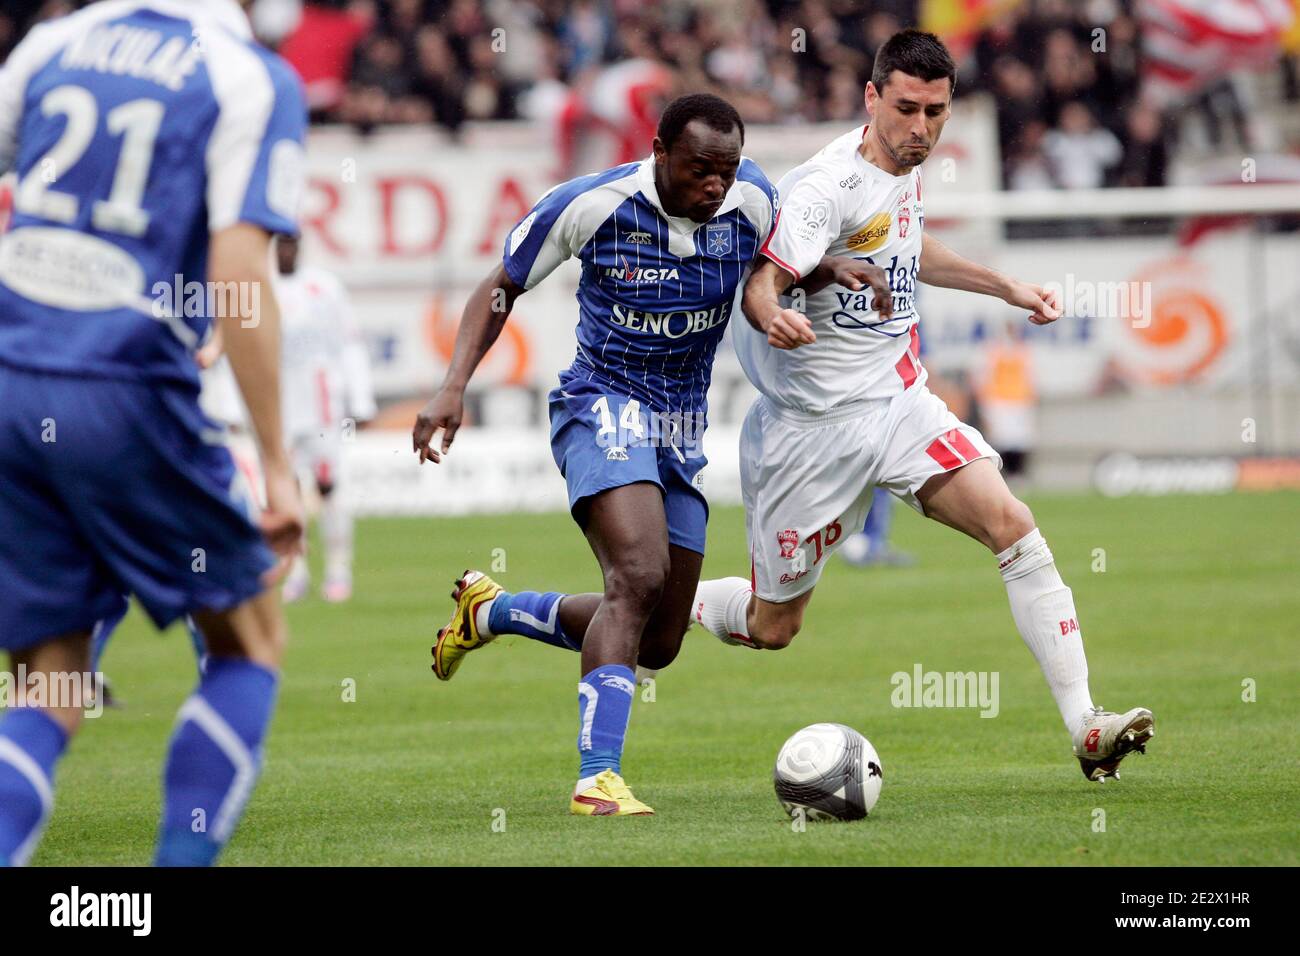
{"x": 961, "y": 444}
{"x": 945, "y": 456}
{"x": 323, "y": 395}
{"x": 767, "y": 251}
{"x": 906, "y": 370}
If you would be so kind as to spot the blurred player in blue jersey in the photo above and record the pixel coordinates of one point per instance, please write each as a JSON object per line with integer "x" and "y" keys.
{"x": 157, "y": 148}
{"x": 664, "y": 245}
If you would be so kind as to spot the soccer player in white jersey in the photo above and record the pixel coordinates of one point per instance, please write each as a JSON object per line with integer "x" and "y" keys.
{"x": 327, "y": 388}
{"x": 844, "y": 405}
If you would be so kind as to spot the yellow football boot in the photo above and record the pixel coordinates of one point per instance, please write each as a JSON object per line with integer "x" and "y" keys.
{"x": 610, "y": 797}
{"x": 461, "y": 635}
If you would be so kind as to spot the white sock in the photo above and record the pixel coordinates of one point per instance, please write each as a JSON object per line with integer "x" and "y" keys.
{"x": 482, "y": 615}
{"x": 299, "y": 572}
{"x": 722, "y": 607}
{"x": 336, "y": 529}
{"x": 1043, "y": 608}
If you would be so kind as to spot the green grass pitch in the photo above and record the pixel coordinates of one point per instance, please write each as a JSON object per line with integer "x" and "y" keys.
{"x": 1199, "y": 594}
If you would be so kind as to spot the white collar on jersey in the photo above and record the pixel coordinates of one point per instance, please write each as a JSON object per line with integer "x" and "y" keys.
{"x": 226, "y": 13}
{"x": 645, "y": 181}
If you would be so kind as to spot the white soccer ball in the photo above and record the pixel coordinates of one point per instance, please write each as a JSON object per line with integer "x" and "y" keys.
{"x": 829, "y": 772}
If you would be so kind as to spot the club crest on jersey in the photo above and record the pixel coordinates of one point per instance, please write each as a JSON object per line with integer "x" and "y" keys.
{"x": 788, "y": 540}
{"x": 638, "y": 238}
{"x": 905, "y": 212}
{"x": 873, "y": 235}
{"x": 717, "y": 238}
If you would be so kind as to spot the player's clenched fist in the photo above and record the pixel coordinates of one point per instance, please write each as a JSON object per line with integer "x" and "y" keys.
{"x": 1044, "y": 305}
{"x": 444, "y": 411}
{"x": 789, "y": 329}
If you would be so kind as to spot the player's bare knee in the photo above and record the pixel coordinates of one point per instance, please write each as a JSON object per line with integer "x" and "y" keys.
{"x": 269, "y": 649}
{"x": 1015, "y": 520}
{"x": 777, "y": 634}
{"x": 637, "y": 581}
{"x": 658, "y": 656}
{"x": 255, "y": 630}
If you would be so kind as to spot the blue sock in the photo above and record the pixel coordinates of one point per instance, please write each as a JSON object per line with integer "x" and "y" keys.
{"x": 200, "y": 645}
{"x": 876, "y": 527}
{"x": 605, "y": 704}
{"x": 30, "y": 745}
{"x": 532, "y": 614}
{"x": 104, "y": 629}
{"x": 213, "y": 761}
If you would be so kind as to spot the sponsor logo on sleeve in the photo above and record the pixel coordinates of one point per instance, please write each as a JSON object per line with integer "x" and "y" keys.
{"x": 521, "y": 233}
{"x": 815, "y": 215}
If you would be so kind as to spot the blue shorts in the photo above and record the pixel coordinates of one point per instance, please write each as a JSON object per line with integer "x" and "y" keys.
{"x": 603, "y": 440}
{"x": 109, "y": 487}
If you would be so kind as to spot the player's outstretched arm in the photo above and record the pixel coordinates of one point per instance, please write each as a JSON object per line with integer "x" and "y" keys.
{"x": 940, "y": 266}
{"x": 238, "y": 259}
{"x": 484, "y": 317}
{"x": 784, "y": 328}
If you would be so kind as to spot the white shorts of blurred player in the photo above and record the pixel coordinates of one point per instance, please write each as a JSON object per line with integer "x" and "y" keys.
{"x": 808, "y": 479}
{"x": 317, "y": 456}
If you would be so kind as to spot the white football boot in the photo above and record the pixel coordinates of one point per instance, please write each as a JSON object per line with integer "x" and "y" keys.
{"x": 1105, "y": 739}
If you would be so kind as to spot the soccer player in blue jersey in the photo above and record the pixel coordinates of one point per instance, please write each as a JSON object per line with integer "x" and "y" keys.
{"x": 664, "y": 244}
{"x": 157, "y": 149}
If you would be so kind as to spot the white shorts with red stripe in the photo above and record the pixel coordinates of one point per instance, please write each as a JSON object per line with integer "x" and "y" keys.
{"x": 808, "y": 480}
{"x": 318, "y": 453}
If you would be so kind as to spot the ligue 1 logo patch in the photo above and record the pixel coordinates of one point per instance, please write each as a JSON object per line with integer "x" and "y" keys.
{"x": 717, "y": 238}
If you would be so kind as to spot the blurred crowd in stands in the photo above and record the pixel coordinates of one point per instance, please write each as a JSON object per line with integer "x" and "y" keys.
{"x": 1064, "y": 74}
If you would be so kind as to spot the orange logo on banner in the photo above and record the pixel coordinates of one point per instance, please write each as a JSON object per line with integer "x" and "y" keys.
{"x": 512, "y": 346}
{"x": 1187, "y": 329}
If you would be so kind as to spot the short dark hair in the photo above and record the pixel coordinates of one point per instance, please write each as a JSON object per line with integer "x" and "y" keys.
{"x": 712, "y": 110}
{"x": 917, "y": 54}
